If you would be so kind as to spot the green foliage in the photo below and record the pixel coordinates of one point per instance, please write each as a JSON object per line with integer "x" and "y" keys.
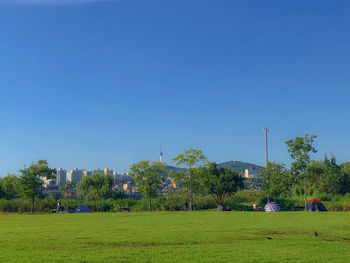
{"x": 10, "y": 188}
{"x": 190, "y": 158}
{"x": 96, "y": 187}
{"x": 299, "y": 149}
{"x": 249, "y": 197}
{"x": 124, "y": 203}
{"x": 326, "y": 177}
{"x": 31, "y": 179}
{"x": 217, "y": 182}
{"x": 345, "y": 180}
{"x": 243, "y": 200}
{"x": 278, "y": 181}
{"x": 147, "y": 176}
{"x": 317, "y": 175}
{"x": 48, "y": 204}
{"x": 175, "y": 201}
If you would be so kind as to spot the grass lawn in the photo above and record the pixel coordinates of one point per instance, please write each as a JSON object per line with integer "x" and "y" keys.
{"x": 175, "y": 237}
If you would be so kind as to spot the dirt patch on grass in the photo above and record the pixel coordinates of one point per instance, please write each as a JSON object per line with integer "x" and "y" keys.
{"x": 227, "y": 240}
{"x": 139, "y": 244}
{"x": 270, "y": 233}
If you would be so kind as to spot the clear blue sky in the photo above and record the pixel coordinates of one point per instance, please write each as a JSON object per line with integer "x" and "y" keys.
{"x": 100, "y": 83}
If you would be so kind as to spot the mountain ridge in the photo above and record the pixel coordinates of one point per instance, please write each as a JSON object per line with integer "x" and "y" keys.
{"x": 235, "y": 165}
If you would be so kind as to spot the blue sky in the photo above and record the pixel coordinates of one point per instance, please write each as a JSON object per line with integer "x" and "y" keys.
{"x": 100, "y": 83}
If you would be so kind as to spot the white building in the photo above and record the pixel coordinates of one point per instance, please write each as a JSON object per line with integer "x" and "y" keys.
{"x": 75, "y": 176}
{"x": 61, "y": 176}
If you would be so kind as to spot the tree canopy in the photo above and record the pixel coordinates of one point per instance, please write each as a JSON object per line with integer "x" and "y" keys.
{"x": 190, "y": 158}
{"x": 9, "y": 187}
{"x": 148, "y": 178}
{"x": 299, "y": 149}
{"x": 217, "y": 182}
{"x": 31, "y": 179}
{"x": 96, "y": 187}
{"x": 277, "y": 180}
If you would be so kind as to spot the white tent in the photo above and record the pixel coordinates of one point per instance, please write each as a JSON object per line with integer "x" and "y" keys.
{"x": 272, "y": 207}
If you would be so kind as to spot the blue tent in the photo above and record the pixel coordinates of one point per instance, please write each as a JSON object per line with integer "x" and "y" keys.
{"x": 82, "y": 209}
{"x": 316, "y": 206}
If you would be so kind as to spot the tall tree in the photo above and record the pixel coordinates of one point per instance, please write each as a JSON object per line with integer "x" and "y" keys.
{"x": 299, "y": 149}
{"x": 277, "y": 180}
{"x": 218, "y": 182}
{"x": 334, "y": 174}
{"x": 317, "y": 175}
{"x": 190, "y": 159}
{"x": 10, "y": 187}
{"x": 148, "y": 178}
{"x": 345, "y": 180}
{"x": 95, "y": 187}
{"x": 31, "y": 180}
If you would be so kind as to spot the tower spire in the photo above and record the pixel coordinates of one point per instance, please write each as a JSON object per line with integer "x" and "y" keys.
{"x": 161, "y": 153}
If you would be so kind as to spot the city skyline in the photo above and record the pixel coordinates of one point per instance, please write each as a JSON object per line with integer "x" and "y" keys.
{"x": 101, "y": 83}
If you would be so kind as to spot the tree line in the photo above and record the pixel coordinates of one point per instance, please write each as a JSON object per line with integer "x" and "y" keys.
{"x": 201, "y": 177}
{"x": 305, "y": 176}
{"x": 29, "y": 185}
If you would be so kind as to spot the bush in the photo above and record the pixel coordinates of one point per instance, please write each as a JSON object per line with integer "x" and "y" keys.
{"x": 123, "y": 203}
{"x": 45, "y": 205}
{"x": 203, "y": 202}
{"x": 174, "y": 201}
{"x": 8, "y": 205}
{"x": 243, "y": 200}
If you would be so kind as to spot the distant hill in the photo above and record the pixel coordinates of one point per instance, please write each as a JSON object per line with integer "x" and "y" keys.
{"x": 235, "y": 165}
{"x": 242, "y": 166}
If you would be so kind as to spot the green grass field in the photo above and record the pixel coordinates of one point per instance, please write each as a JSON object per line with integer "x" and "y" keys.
{"x": 175, "y": 237}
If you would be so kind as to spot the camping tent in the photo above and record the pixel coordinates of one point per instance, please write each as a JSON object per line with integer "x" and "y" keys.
{"x": 83, "y": 209}
{"x": 272, "y": 207}
{"x": 316, "y": 205}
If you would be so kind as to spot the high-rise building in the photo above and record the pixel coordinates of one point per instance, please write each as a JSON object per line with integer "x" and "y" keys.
{"x": 61, "y": 176}
{"x": 75, "y": 176}
{"x": 87, "y": 172}
{"x": 107, "y": 171}
{"x": 48, "y": 182}
{"x": 246, "y": 173}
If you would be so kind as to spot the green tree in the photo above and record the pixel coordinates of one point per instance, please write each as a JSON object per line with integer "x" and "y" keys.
{"x": 31, "y": 180}
{"x": 317, "y": 175}
{"x": 277, "y": 180}
{"x": 190, "y": 159}
{"x": 326, "y": 177}
{"x": 148, "y": 178}
{"x": 299, "y": 149}
{"x": 218, "y": 182}
{"x": 10, "y": 187}
{"x": 345, "y": 180}
{"x": 334, "y": 174}
{"x": 95, "y": 187}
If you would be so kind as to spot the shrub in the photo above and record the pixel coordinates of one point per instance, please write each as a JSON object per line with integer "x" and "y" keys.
{"x": 123, "y": 203}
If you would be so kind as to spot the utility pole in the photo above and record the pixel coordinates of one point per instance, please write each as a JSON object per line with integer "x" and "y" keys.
{"x": 266, "y": 130}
